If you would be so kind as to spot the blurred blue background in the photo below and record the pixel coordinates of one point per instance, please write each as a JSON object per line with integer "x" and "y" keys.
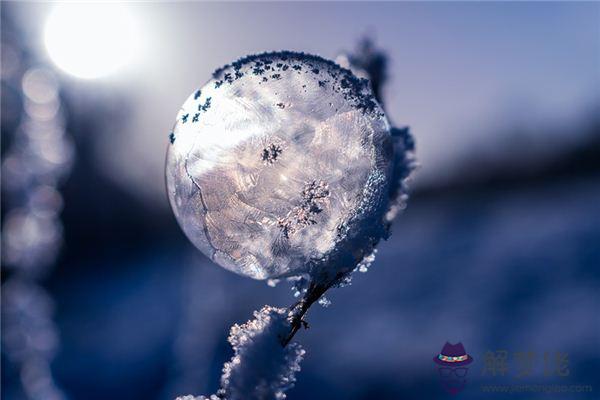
{"x": 499, "y": 247}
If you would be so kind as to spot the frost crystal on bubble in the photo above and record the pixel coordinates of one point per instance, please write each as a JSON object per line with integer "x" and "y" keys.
{"x": 282, "y": 165}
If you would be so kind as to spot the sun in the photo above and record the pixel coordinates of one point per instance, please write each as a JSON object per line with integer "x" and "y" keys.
{"x": 90, "y": 40}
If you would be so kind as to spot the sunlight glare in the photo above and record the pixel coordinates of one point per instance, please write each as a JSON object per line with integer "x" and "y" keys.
{"x": 90, "y": 40}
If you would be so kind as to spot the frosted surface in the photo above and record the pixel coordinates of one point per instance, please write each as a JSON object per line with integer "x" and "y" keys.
{"x": 280, "y": 165}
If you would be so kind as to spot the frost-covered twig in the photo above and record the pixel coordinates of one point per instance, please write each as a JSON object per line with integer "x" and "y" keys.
{"x": 297, "y": 311}
{"x": 261, "y": 368}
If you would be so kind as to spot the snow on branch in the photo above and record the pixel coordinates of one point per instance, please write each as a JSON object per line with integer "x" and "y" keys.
{"x": 262, "y": 367}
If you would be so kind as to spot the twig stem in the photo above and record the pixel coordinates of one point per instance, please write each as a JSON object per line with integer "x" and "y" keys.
{"x": 299, "y": 309}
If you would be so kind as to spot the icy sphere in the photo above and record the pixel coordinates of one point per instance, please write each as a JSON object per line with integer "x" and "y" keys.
{"x": 280, "y": 166}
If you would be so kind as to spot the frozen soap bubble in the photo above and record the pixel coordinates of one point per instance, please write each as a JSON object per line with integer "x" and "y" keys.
{"x": 281, "y": 165}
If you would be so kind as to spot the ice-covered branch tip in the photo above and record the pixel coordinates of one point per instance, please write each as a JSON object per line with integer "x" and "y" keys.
{"x": 261, "y": 368}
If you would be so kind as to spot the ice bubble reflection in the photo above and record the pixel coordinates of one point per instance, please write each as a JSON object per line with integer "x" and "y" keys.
{"x": 281, "y": 165}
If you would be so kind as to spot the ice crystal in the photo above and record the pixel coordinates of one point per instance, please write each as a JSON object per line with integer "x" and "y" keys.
{"x": 299, "y": 284}
{"x": 286, "y": 169}
{"x": 190, "y": 397}
{"x": 270, "y": 153}
{"x": 366, "y": 262}
{"x": 261, "y": 367}
{"x": 324, "y": 301}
